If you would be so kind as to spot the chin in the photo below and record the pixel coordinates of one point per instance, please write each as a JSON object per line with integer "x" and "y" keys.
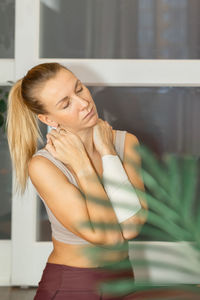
{"x": 97, "y": 118}
{"x": 94, "y": 116}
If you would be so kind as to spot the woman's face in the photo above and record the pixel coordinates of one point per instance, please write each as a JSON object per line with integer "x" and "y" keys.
{"x": 68, "y": 101}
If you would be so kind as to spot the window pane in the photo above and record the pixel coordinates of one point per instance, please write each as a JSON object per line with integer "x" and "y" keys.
{"x": 164, "y": 119}
{"x": 148, "y": 29}
{"x": 43, "y": 232}
{"x": 7, "y": 23}
{"x": 5, "y": 172}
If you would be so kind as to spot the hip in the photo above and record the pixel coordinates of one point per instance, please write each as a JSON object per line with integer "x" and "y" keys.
{"x": 80, "y": 282}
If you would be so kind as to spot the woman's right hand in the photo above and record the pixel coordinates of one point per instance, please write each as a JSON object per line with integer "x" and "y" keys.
{"x": 66, "y": 147}
{"x": 103, "y": 137}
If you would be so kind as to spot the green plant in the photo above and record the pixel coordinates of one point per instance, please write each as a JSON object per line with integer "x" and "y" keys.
{"x": 171, "y": 193}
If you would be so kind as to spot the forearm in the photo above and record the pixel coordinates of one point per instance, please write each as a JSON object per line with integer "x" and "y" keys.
{"x": 130, "y": 209}
{"x": 132, "y": 226}
{"x": 119, "y": 189}
{"x": 98, "y": 204}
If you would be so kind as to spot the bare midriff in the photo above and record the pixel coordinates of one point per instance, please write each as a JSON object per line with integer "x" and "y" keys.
{"x": 73, "y": 255}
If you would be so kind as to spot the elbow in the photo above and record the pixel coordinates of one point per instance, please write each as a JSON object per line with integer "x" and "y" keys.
{"x": 132, "y": 227}
{"x": 143, "y": 212}
{"x": 114, "y": 238}
{"x": 131, "y": 234}
{"x": 143, "y": 215}
{"x": 109, "y": 238}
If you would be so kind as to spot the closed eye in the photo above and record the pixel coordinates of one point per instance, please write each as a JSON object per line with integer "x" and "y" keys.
{"x": 70, "y": 102}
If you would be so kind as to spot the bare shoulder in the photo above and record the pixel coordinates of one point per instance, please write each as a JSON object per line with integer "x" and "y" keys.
{"x": 38, "y": 166}
{"x": 130, "y": 142}
{"x": 131, "y": 139}
{"x": 39, "y": 162}
{"x": 35, "y": 162}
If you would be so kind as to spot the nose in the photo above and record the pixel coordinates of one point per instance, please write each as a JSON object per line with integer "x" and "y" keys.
{"x": 82, "y": 102}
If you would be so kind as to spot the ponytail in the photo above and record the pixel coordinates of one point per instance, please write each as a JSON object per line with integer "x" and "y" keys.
{"x": 22, "y": 127}
{"x": 23, "y": 133}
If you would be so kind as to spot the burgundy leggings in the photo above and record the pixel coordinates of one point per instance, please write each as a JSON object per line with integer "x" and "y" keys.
{"x": 61, "y": 282}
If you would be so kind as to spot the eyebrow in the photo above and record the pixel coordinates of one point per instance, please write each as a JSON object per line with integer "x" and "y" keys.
{"x": 67, "y": 96}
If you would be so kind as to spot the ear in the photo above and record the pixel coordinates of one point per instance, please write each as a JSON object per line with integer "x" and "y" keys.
{"x": 46, "y": 120}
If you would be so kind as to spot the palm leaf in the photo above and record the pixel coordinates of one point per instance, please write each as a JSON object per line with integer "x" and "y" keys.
{"x": 170, "y": 191}
{"x": 188, "y": 188}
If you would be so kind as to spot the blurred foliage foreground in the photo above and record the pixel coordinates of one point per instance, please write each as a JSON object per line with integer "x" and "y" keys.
{"x": 171, "y": 192}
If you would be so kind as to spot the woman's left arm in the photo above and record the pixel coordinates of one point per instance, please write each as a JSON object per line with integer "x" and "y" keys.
{"x": 131, "y": 155}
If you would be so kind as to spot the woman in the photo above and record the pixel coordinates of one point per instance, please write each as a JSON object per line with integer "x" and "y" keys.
{"x": 65, "y": 173}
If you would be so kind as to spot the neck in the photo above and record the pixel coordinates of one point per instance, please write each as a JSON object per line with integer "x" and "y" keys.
{"x": 86, "y": 137}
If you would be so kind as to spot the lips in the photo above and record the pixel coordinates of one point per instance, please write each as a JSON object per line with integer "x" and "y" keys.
{"x": 88, "y": 113}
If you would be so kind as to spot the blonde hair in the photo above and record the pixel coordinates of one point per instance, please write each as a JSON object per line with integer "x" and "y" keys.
{"x": 22, "y": 126}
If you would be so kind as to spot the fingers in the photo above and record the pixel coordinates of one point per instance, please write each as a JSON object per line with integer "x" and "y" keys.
{"x": 50, "y": 147}
{"x": 50, "y": 142}
{"x": 50, "y": 136}
{"x": 55, "y": 133}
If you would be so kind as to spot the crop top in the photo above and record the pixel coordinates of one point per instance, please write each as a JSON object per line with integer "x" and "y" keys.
{"x": 59, "y": 232}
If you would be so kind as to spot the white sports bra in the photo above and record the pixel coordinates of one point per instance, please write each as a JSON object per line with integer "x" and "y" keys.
{"x": 59, "y": 232}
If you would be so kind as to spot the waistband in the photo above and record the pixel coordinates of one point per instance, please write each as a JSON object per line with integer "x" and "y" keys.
{"x": 69, "y": 278}
{"x": 122, "y": 264}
